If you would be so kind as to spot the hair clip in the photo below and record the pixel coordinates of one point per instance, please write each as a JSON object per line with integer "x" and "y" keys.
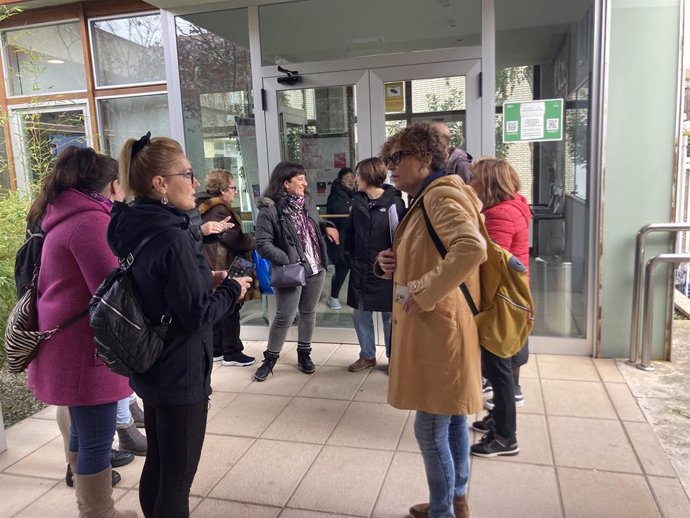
{"x": 141, "y": 143}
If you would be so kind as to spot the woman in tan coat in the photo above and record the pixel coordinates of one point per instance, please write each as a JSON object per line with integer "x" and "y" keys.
{"x": 435, "y": 359}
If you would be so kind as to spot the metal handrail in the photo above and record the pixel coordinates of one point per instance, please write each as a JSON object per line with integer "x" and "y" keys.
{"x": 637, "y": 281}
{"x": 646, "y": 362}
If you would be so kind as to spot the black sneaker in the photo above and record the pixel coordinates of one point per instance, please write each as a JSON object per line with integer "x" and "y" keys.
{"x": 487, "y": 389}
{"x": 304, "y": 361}
{"x": 487, "y": 424}
{"x": 238, "y": 360}
{"x": 492, "y": 446}
{"x": 119, "y": 458}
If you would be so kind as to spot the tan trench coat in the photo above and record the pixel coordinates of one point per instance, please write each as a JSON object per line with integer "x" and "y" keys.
{"x": 435, "y": 358}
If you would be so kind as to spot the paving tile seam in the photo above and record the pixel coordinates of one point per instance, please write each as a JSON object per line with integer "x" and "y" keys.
{"x": 232, "y": 465}
{"x": 549, "y": 438}
{"x": 44, "y": 493}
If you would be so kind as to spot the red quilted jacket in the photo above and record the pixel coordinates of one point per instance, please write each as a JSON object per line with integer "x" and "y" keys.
{"x": 508, "y": 225}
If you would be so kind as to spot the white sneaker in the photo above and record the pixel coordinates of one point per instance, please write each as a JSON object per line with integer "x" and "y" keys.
{"x": 334, "y": 303}
{"x": 218, "y": 358}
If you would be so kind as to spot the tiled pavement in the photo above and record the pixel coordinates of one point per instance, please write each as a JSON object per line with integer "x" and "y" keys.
{"x": 328, "y": 446}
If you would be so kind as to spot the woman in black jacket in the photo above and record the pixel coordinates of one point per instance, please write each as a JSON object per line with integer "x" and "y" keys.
{"x": 289, "y": 230}
{"x": 339, "y": 201}
{"x": 175, "y": 284}
{"x": 370, "y": 232}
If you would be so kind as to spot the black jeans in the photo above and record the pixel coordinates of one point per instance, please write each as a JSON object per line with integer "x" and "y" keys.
{"x": 175, "y": 437}
{"x": 338, "y": 279}
{"x": 226, "y": 335}
{"x": 499, "y": 372}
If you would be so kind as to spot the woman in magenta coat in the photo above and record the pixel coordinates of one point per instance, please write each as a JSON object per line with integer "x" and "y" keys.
{"x": 507, "y": 217}
{"x": 73, "y": 209}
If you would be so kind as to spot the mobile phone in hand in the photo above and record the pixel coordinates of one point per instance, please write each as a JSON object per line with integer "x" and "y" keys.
{"x": 240, "y": 267}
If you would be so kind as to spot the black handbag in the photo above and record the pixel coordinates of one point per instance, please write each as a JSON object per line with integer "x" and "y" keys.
{"x": 288, "y": 275}
{"x": 125, "y": 339}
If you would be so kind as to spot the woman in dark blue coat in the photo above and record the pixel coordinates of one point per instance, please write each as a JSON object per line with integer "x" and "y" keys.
{"x": 368, "y": 233}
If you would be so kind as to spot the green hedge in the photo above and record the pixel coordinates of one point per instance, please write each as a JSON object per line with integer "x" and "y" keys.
{"x": 13, "y": 209}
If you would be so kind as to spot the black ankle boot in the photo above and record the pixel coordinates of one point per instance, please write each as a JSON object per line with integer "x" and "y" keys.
{"x": 266, "y": 368}
{"x": 304, "y": 361}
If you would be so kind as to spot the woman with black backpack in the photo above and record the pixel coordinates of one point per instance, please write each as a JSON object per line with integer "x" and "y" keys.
{"x": 174, "y": 283}
{"x": 73, "y": 209}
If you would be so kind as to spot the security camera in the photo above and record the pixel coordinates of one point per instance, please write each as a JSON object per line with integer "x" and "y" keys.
{"x": 291, "y": 76}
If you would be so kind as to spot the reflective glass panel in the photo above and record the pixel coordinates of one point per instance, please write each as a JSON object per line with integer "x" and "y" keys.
{"x": 544, "y": 54}
{"x": 314, "y": 30}
{"x": 130, "y": 117}
{"x": 44, "y": 59}
{"x": 128, "y": 51}
{"x": 43, "y": 134}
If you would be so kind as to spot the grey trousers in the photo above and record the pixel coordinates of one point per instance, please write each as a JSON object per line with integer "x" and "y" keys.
{"x": 290, "y": 300}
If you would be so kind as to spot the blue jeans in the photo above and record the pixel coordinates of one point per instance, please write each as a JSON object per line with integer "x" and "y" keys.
{"x": 91, "y": 435}
{"x": 445, "y": 445}
{"x": 363, "y": 321}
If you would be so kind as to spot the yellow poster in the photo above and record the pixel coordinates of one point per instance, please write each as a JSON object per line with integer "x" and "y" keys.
{"x": 395, "y": 96}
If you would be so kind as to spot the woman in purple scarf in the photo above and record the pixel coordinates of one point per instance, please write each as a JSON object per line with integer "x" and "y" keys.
{"x": 289, "y": 230}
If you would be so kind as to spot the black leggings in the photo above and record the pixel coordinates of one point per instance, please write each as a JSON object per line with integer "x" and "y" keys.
{"x": 175, "y": 437}
{"x": 338, "y": 279}
{"x": 499, "y": 372}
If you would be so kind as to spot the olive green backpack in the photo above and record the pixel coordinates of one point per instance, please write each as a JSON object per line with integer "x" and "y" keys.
{"x": 506, "y": 316}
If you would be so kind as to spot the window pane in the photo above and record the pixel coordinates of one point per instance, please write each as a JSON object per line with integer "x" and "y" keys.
{"x": 128, "y": 50}
{"x": 216, "y": 82}
{"x": 353, "y": 28}
{"x": 42, "y": 135}
{"x": 45, "y": 59}
{"x": 543, "y": 51}
{"x": 126, "y": 117}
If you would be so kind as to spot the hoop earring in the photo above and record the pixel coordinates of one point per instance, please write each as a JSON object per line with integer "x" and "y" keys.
{"x": 164, "y": 200}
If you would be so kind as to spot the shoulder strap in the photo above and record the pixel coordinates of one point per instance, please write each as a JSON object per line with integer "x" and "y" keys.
{"x": 281, "y": 218}
{"x": 442, "y": 251}
{"x": 127, "y": 261}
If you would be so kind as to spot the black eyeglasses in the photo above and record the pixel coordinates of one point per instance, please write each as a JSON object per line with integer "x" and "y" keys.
{"x": 189, "y": 174}
{"x": 396, "y": 158}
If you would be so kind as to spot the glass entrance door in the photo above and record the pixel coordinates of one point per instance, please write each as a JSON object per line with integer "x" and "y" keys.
{"x": 329, "y": 121}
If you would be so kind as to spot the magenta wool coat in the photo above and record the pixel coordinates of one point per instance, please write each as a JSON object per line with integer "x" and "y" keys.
{"x": 75, "y": 260}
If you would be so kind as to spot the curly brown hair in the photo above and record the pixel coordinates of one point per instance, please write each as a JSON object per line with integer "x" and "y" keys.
{"x": 497, "y": 179}
{"x": 422, "y": 140}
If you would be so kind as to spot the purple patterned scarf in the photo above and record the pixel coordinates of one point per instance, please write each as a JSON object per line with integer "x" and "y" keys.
{"x": 295, "y": 210}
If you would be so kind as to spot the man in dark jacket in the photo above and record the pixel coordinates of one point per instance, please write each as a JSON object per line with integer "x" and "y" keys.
{"x": 459, "y": 160}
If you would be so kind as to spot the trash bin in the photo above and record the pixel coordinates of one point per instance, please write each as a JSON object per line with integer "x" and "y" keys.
{"x": 553, "y": 278}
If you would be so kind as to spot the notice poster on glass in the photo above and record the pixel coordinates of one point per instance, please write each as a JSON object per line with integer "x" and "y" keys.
{"x": 246, "y": 133}
{"x": 533, "y": 121}
{"x": 322, "y": 157}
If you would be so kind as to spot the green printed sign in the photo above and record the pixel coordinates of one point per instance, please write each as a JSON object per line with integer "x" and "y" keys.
{"x": 533, "y": 121}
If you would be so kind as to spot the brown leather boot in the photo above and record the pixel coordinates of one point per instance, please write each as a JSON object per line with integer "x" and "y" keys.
{"x": 95, "y": 496}
{"x": 459, "y": 506}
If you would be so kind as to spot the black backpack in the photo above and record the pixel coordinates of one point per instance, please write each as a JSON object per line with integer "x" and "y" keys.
{"x": 125, "y": 339}
{"x": 27, "y": 258}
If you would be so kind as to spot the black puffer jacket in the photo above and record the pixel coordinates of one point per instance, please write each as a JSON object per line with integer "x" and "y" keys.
{"x": 339, "y": 202}
{"x": 173, "y": 278}
{"x": 276, "y": 236}
{"x": 368, "y": 234}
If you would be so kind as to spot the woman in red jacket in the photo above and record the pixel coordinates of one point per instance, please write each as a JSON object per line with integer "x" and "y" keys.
{"x": 507, "y": 217}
